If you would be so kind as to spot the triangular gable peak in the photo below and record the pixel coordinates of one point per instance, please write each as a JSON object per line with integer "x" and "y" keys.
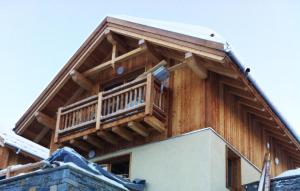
{"x": 128, "y": 43}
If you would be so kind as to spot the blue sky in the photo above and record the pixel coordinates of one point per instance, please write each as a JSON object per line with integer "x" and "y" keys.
{"x": 38, "y": 37}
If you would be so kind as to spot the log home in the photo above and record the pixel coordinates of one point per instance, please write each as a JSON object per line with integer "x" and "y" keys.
{"x": 166, "y": 102}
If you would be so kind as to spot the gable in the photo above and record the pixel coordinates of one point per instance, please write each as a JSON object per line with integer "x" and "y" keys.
{"x": 139, "y": 43}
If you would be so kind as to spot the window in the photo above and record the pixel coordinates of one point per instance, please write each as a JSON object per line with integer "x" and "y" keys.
{"x": 117, "y": 165}
{"x": 233, "y": 170}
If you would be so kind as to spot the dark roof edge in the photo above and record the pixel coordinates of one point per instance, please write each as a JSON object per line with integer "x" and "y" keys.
{"x": 232, "y": 56}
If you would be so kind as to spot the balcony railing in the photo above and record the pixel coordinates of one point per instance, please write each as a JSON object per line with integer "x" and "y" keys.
{"x": 142, "y": 96}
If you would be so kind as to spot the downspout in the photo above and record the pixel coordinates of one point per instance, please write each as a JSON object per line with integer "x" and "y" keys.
{"x": 233, "y": 57}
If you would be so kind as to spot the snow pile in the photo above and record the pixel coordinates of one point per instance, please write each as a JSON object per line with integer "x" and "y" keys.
{"x": 185, "y": 29}
{"x": 294, "y": 172}
{"x": 72, "y": 165}
{"x": 25, "y": 145}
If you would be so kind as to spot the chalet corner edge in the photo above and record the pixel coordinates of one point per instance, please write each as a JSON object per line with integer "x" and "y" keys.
{"x": 110, "y": 96}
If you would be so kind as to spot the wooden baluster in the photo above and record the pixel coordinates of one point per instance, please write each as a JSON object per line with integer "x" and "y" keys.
{"x": 118, "y": 103}
{"x": 149, "y": 94}
{"x": 135, "y": 100}
{"x": 126, "y": 99}
{"x": 122, "y": 102}
{"x": 130, "y": 98}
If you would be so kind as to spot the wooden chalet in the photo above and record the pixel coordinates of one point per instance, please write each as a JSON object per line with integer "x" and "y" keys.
{"x": 135, "y": 82}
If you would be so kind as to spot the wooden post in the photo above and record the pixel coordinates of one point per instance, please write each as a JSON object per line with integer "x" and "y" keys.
{"x": 149, "y": 94}
{"x": 98, "y": 112}
{"x": 57, "y": 125}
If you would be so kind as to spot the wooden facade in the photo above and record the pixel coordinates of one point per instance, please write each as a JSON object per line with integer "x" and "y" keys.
{"x": 106, "y": 98}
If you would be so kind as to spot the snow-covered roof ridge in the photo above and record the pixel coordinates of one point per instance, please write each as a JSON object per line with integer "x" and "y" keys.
{"x": 25, "y": 145}
{"x": 196, "y": 31}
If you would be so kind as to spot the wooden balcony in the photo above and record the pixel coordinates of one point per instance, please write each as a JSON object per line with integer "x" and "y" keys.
{"x": 133, "y": 108}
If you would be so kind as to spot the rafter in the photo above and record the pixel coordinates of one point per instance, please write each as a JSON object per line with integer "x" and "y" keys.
{"x": 80, "y": 145}
{"x": 81, "y": 80}
{"x": 45, "y": 120}
{"x": 233, "y": 83}
{"x": 138, "y": 128}
{"x": 196, "y": 67}
{"x": 241, "y": 93}
{"x": 93, "y": 141}
{"x": 108, "y": 137}
{"x": 123, "y": 132}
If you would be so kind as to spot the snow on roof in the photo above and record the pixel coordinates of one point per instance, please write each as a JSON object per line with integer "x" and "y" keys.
{"x": 25, "y": 145}
{"x": 185, "y": 29}
{"x": 293, "y": 172}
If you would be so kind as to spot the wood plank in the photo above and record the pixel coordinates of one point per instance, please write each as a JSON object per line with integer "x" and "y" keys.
{"x": 45, "y": 120}
{"x": 196, "y": 67}
{"x": 154, "y": 55}
{"x": 138, "y": 128}
{"x": 93, "y": 141}
{"x": 81, "y": 80}
{"x": 123, "y": 132}
{"x": 155, "y": 123}
{"x": 108, "y": 137}
{"x": 160, "y": 64}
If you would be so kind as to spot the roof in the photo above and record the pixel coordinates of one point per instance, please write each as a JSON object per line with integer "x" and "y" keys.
{"x": 13, "y": 140}
{"x": 185, "y": 32}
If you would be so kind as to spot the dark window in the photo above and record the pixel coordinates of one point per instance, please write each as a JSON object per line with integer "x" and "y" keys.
{"x": 118, "y": 165}
{"x": 233, "y": 171}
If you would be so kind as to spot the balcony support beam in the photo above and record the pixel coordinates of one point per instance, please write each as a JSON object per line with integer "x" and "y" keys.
{"x": 80, "y": 145}
{"x": 155, "y": 123}
{"x": 138, "y": 128}
{"x": 108, "y": 137}
{"x": 93, "y": 141}
{"x": 41, "y": 135}
{"x": 81, "y": 80}
{"x": 123, "y": 132}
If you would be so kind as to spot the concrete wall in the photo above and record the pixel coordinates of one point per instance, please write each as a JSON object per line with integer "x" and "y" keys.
{"x": 195, "y": 161}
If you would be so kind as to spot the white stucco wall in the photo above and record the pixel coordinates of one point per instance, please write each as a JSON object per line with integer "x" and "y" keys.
{"x": 195, "y": 161}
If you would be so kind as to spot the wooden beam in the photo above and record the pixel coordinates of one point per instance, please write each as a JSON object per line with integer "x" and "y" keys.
{"x": 233, "y": 83}
{"x": 250, "y": 103}
{"x": 222, "y": 70}
{"x": 241, "y": 93}
{"x": 113, "y": 39}
{"x": 121, "y": 58}
{"x": 45, "y": 120}
{"x": 155, "y": 123}
{"x": 93, "y": 141}
{"x": 123, "y": 132}
{"x": 81, "y": 80}
{"x": 139, "y": 128}
{"x": 154, "y": 55}
{"x": 80, "y": 145}
{"x": 177, "y": 67}
{"x": 41, "y": 135}
{"x": 191, "y": 62}
{"x": 108, "y": 137}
